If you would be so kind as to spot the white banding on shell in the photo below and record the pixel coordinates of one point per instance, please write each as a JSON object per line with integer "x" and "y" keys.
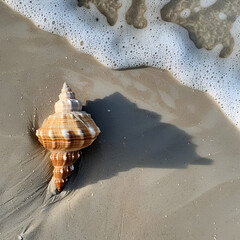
{"x": 92, "y": 131}
{"x": 41, "y": 133}
{"x": 80, "y": 132}
{"x": 50, "y": 133}
{"x": 66, "y": 133}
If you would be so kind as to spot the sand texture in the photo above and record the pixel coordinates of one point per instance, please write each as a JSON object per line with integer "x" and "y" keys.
{"x": 165, "y": 166}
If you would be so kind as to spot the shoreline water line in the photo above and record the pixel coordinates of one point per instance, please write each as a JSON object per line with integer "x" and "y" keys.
{"x": 160, "y": 44}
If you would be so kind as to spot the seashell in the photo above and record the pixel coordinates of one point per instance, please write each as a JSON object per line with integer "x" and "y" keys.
{"x": 65, "y": 132}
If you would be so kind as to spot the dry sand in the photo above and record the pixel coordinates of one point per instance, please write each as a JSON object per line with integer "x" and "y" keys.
{"x": 166, "y": 165}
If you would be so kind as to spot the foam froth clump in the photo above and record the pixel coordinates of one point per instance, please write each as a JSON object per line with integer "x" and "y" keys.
{"x": 161, "y": 44}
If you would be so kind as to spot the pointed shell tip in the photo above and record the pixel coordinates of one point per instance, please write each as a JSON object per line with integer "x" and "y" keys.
{"x": 65, "y": 86}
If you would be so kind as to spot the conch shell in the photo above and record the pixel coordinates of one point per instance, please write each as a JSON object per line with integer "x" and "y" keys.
{"x": 65, "y": 132}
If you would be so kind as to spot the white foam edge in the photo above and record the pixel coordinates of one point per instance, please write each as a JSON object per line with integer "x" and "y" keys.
{"x": 162, "y": 45}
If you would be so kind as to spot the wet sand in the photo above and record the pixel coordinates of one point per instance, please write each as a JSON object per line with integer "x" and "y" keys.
{"x": 166, "y": 165}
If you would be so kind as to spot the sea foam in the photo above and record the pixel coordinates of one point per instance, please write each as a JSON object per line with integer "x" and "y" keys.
{"x": 161, "y": 44}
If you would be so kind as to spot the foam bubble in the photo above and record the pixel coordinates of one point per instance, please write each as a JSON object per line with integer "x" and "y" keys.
{"x": 185, "y": 13}
{"x": 222, "y": 16}
{"x": 207, "y": 3}
{"x": 161, "y": 44}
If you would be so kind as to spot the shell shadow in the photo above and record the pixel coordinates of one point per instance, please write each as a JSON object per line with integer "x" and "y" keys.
{"x": 131, "y": 138}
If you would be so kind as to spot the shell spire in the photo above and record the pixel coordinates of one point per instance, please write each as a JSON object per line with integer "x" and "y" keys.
{"x": 66, "y": 87}
{"x": 67, "y": 101}
{"x": 65, "y": 132}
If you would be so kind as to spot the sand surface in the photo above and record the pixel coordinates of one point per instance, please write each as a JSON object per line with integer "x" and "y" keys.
{"x": 166, "y": 165}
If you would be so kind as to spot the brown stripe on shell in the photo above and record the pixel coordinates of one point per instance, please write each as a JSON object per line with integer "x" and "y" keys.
{"x": 64, "y": 158}
{"x": 60, "y": 182}
{"x": 62, "y": 172}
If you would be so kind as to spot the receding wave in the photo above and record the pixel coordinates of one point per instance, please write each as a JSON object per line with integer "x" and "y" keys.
{"x": 198, "y": 41}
